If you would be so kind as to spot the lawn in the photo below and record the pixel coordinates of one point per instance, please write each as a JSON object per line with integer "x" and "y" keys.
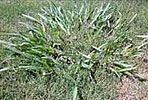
{"x": 69, "y": 64}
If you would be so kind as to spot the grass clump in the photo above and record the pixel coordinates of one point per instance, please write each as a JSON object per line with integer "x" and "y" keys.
{"x": 77, "y": 45}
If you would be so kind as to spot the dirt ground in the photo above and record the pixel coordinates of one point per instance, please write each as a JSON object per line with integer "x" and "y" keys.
{"x": 131, "y": 88}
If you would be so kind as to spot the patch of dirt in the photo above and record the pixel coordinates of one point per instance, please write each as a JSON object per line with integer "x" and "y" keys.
{"x": 131, "y": 88}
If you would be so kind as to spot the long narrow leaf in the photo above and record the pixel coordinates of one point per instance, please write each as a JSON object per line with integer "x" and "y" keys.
{"x": 75, "y": 92}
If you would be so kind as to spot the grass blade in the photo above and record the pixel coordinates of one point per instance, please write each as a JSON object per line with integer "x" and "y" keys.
{"x": 75, "y": 92}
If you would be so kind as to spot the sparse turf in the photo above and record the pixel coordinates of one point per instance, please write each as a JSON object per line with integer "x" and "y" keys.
{"x": 68, "y": 53}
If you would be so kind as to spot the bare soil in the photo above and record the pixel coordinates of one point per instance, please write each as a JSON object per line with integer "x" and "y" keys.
{"x": 131, "y": 88}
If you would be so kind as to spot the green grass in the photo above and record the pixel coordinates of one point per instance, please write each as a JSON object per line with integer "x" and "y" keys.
{"x": 11, "y": 12}
{"x": 58, "y": 80}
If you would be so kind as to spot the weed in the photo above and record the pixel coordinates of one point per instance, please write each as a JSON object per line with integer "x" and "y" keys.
{"x": 75, "y": 45}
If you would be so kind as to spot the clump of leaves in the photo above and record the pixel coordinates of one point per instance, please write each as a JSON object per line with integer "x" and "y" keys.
{"x": 93, "y": 33}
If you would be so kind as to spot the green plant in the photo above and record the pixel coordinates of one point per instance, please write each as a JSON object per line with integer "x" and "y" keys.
{"x": 75, "y": 43}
